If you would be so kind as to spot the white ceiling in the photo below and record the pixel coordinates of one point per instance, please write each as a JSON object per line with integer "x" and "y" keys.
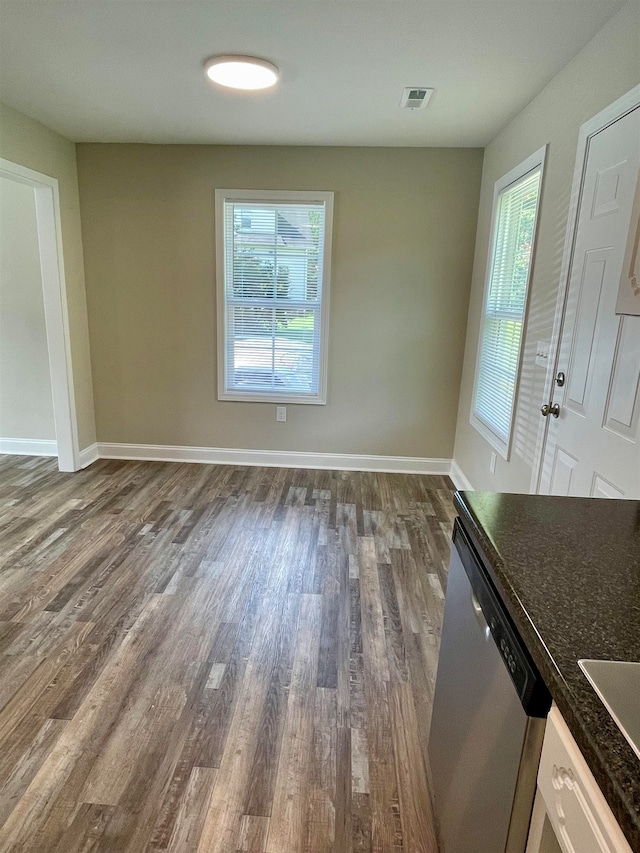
{"x": 131, "y": 71}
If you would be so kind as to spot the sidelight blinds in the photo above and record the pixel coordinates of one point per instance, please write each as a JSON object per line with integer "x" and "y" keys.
{"x": 273, "y": 294}
{"x": 501, "y": 333}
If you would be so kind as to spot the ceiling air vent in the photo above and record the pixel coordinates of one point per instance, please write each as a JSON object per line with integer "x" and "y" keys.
{"x": 415, "y": 97}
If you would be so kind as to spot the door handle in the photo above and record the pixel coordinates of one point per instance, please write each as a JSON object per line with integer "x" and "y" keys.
{"x": 550, "y": 409}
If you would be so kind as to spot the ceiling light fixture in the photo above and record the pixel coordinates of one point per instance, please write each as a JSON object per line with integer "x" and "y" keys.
{"x": 241, "y": 72}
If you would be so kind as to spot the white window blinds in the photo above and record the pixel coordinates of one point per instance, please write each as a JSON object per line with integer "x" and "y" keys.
{"x": 501, "y": 333}
{"x": 274, "y": 297}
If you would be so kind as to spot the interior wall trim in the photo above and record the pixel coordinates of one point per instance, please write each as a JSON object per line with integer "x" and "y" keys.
{"x": 460, "y": 479}
{"x": 274, "y": 458}
{"x": 28, "y": 447}
{"x": 88, "y": 455}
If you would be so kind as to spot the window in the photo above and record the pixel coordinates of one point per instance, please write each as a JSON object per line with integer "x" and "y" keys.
{"x": 273, "y": 258}
{"x": 515, "y": 213}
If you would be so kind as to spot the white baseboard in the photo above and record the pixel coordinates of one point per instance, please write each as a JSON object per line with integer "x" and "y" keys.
{"x": 459, "y": 478}
{"x": 274, "y": 458}
{"x": 28, "y": 447}
{"x": 88, "y": 455}
{"x": 262, "y": 458}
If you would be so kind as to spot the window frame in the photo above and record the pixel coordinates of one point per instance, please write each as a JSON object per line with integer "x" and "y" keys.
{"x": 279, "y": 197}
{"x": 533, "y": 162}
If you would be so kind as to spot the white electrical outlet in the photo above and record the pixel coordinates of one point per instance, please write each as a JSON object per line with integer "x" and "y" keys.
{"x": 492, "y": 463}
{"x": 281, "y": 414}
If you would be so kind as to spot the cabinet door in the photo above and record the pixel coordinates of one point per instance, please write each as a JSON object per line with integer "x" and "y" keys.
{"x": 542, "y": 838}
{"x": 581, "y": 819}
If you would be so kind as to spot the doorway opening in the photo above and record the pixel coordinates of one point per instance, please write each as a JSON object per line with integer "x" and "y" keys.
{"x": 56, "y": 320}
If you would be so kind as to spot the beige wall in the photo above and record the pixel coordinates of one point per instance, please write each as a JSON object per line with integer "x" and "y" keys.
{"x": 33, "y": 145}
{"x": 26, "y": 405}
{"x": 604, "y": 70}
{"x": 404, "y": 228}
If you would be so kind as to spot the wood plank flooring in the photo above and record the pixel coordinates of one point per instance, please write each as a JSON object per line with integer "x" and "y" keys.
{"x": 211, "y": 659}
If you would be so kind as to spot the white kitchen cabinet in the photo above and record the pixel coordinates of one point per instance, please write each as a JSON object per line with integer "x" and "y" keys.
{"x": 570, "y": 813}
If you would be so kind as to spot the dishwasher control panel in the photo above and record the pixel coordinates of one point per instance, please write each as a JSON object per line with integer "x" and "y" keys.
{"x": 509, "y": 653}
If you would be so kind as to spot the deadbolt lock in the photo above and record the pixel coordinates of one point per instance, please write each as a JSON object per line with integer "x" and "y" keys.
{"x": 560, "y": 379}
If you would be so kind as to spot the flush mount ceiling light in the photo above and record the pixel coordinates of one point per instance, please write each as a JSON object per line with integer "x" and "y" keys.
{"x": 241, "y": 72}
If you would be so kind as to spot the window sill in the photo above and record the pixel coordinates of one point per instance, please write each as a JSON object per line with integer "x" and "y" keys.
{"x": 291, "y": 399}
{"x": 498, "y": 444}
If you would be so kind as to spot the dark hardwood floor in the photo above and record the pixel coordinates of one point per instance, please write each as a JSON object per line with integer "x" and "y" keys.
{"x": 217, "y": 659}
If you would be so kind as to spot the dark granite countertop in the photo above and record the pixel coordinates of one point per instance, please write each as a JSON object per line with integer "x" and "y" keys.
{"x": 568, "y": 570}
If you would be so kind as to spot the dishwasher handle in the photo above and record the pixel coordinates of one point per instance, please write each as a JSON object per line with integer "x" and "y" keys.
{"x": 477, "y": 612}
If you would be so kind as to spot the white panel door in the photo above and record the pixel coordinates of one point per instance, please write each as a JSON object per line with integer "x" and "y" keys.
{"x": 593, "y": 447}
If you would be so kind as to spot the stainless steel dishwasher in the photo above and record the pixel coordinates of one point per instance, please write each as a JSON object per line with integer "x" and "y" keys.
{"x": 488, "y": 720}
